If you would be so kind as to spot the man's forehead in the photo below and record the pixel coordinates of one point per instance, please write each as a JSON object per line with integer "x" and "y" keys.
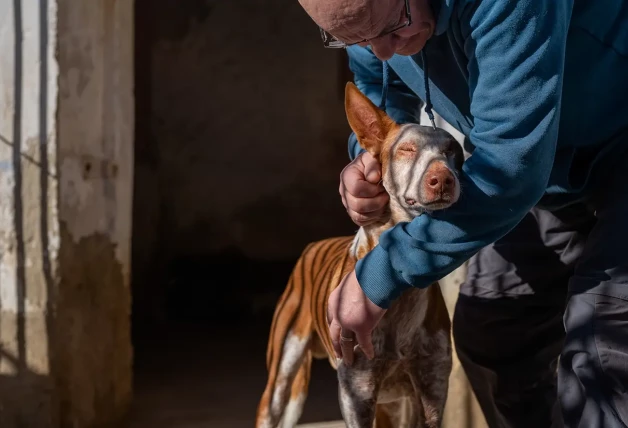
{"x": 337, "y": 16}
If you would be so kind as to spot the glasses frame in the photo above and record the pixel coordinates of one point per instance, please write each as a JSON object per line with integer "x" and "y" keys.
{"x": 331, "y": 42}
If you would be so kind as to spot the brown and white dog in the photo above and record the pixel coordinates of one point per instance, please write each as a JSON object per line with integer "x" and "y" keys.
{"x": 412, "y": 343}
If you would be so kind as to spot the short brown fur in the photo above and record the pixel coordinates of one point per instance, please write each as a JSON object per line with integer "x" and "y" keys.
{"x": 405, "y": 385}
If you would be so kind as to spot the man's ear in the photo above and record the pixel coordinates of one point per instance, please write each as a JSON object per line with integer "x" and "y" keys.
{"x": 370, "y": 124}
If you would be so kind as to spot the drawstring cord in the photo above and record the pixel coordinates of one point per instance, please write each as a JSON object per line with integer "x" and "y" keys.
{"x": 428, "y": 99}
{"x": 382, "y": 104}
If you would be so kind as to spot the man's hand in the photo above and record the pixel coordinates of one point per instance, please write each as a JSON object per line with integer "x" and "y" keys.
{"x": 362, "y": 194}
{"x": 352, "y": 317}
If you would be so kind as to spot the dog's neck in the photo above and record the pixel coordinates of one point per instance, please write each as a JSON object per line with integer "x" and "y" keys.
{"x": 367, "y": 237}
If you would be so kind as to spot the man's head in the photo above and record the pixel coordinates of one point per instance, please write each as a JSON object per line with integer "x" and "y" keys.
{"x": 355, "y": 20}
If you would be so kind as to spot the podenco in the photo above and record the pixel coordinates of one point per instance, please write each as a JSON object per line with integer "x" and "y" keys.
{"x": 412, "y": 342}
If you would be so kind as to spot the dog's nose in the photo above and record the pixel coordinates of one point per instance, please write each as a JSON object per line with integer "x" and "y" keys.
{"x": 410, "y": 201}
{"x": 443, "y": 180}
{"x": 439, "y": 180}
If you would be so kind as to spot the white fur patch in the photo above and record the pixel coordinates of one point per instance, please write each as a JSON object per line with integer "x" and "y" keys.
{"x": 293, "y": 412}
{"x": 291, "y": 357}
{"x": 359, "y": 238}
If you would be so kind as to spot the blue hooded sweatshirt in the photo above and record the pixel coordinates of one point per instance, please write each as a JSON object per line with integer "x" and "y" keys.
{"x": 539, "y": 88}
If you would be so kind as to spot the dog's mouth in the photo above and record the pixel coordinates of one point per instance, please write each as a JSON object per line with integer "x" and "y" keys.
{"x": 445, "y": 201}
{"x": 439, "y": 204}
{"x": 431, "y": 206}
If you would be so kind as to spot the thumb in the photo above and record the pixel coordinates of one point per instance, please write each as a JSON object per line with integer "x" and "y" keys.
{"x": 365, "y": 341}
{"x": 332, "y": 305}
{"x": 372, "y": 168}
{"x": 334, "y": 334}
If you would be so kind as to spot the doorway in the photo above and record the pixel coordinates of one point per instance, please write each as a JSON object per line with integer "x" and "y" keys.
{"x": 240, "y": 138}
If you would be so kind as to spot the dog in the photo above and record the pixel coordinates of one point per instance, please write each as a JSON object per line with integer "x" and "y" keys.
{"x": 405, "y": 384}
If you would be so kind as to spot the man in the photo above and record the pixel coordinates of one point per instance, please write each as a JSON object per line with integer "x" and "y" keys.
{"x": 540, "y": 90}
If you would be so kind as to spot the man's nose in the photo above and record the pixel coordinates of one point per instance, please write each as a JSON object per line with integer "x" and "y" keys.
{"x": 384, "y": 47}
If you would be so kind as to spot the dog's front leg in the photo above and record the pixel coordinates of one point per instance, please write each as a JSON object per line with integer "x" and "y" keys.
{"x": 358, "y": 387}
{"x": 430, "y": 377}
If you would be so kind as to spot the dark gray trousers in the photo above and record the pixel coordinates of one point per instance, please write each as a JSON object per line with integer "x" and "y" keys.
{"x": 557, "y": 285}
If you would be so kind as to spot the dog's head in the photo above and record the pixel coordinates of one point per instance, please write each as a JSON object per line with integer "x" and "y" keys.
{"x": 420, "y": 164}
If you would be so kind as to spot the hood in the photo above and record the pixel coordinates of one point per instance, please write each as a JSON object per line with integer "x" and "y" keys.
{"x": 442, "y": 10}
{"x": 428, "y": 99}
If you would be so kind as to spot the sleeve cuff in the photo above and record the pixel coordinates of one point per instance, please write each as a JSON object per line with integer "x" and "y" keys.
{"x": 378, "y": 279}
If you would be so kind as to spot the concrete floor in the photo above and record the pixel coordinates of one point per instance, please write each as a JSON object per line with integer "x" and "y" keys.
{"x": 191, "y": 376}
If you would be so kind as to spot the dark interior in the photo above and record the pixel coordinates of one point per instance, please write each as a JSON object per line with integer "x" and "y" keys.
{"x": 240, "y": 139}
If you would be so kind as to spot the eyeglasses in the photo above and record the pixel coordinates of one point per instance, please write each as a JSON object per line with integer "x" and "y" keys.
{"x": 332, "y": 42}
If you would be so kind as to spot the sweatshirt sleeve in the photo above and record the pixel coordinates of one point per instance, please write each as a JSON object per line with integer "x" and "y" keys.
{"x": 403, "y": 105}
{"x": 516, "y": 52}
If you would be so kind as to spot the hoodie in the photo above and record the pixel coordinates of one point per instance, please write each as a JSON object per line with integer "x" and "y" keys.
{"x": 539, "y": 88}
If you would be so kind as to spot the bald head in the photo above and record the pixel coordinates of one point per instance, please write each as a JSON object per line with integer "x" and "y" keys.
{"x": 353, "y": 21}
{"x": 350, "y": 19}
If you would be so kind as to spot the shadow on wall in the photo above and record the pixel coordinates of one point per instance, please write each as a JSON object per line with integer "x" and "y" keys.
{"x": 241, "y": 135}
{"x": 25, "y": 169}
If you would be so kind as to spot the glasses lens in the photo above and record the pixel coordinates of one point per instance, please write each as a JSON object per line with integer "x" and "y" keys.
{"x": 398, "y": 27}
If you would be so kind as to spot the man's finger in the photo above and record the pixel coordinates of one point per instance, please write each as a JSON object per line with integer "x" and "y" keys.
{"x": 342, "y": 192}
{"x": 334, "y": 333}
{"x": 372, "y": 168}
{"x": 364, "y": 220}
{"x": 367, "y": 205}
{"x": 360, "y": 219}
{"x": 356, "y": 183}
{"x": 347, "y": 343}
{"x": 365, "y": 341}
{"x": 357, "y": 186}
{"x": 330, "y": 313}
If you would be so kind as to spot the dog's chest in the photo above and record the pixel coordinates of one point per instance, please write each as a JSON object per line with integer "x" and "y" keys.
{"x": 400, "y": 332}
{"x": 398, "y": 371}
{"x": 396, "y": 385}
{"x": 403, "y": 342}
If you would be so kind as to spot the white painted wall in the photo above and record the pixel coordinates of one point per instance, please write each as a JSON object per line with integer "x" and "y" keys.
{"x": 28, "y": 105}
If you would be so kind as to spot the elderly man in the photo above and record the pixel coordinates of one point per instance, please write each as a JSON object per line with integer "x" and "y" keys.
{"x": 540, "y": 90}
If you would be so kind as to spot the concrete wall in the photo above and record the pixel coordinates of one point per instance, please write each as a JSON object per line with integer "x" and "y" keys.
{"x": 95, "y": 158}
{"x": 66, "y": 125}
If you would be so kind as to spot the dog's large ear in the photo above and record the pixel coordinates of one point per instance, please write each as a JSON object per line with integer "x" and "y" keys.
{"x": 370, "y": 124}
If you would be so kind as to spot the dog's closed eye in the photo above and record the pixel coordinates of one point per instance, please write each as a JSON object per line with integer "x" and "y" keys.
{"x": 407, "y": 147}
